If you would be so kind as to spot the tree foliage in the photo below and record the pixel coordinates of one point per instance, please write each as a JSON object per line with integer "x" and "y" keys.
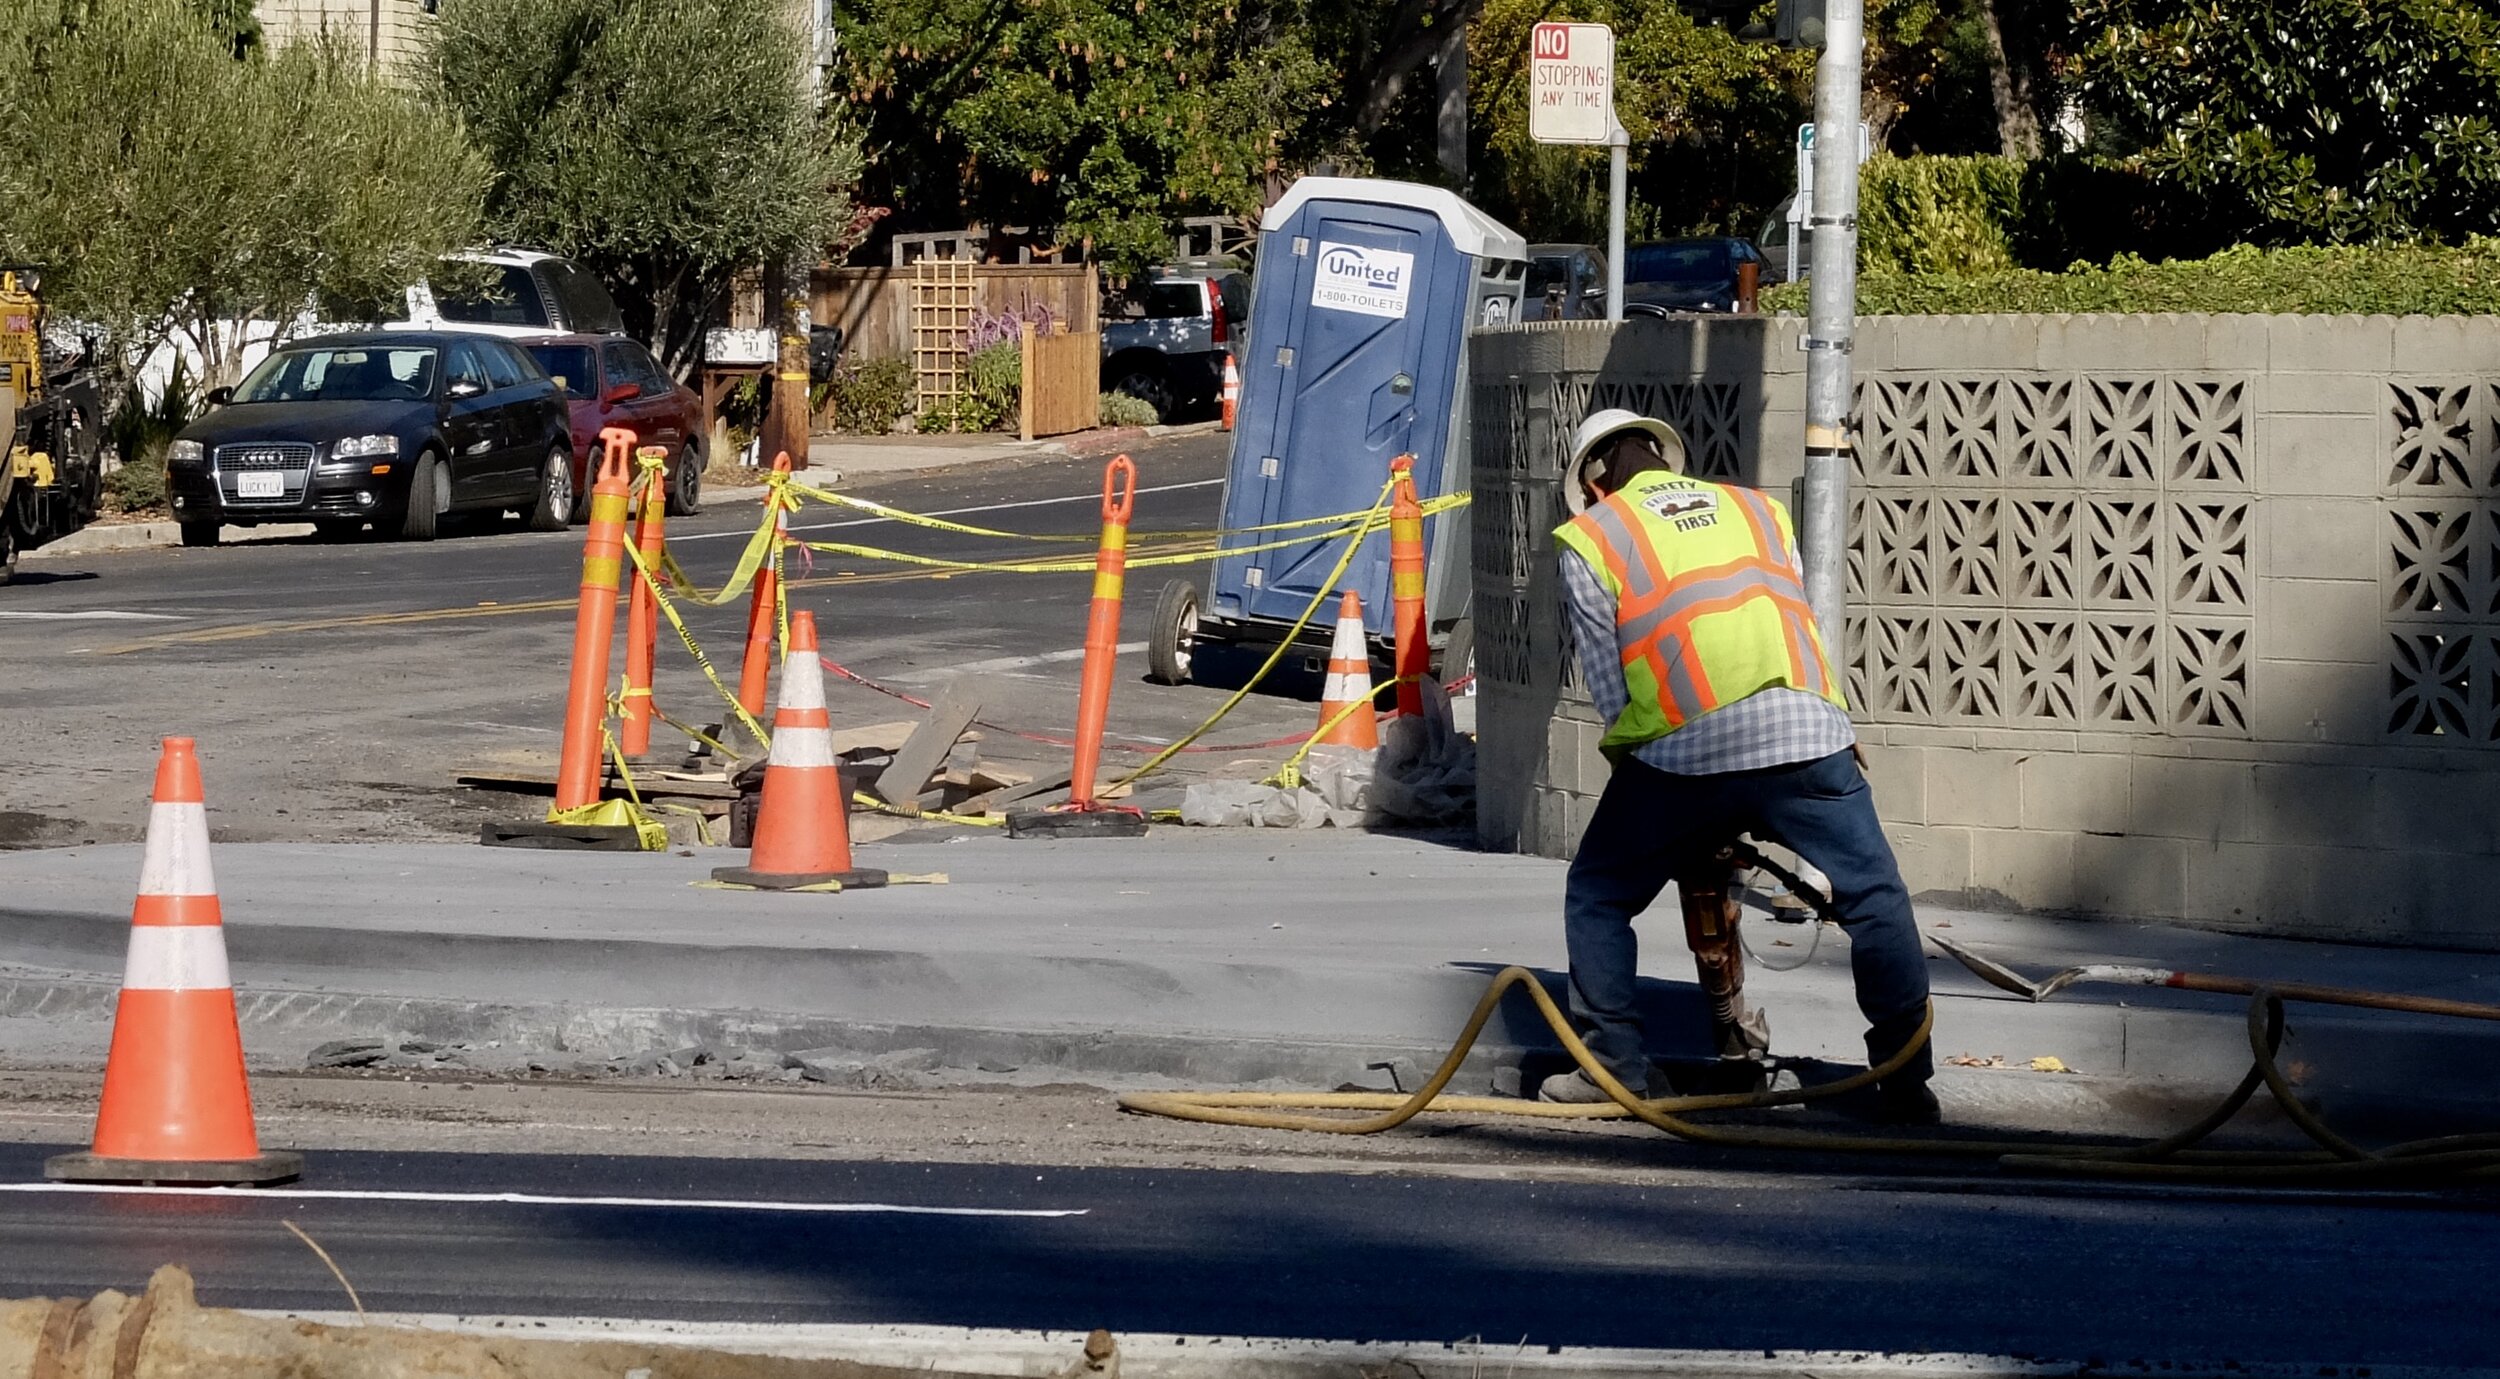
{"x": 2301, "y": 121}
{"x": 1101, "y": 120}
{"x": 667, "y": 144}
{"x": 174, "y": 191}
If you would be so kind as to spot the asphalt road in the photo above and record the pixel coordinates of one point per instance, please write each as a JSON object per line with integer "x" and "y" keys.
{"x": 336, "y": 690}
{"x": 1818, "y": 1264}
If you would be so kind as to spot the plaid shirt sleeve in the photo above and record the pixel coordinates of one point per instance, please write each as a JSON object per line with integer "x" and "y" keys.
{"x": 1592, "y": 617}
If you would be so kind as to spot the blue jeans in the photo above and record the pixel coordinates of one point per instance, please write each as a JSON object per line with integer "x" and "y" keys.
{"x": 1651, "y": 825}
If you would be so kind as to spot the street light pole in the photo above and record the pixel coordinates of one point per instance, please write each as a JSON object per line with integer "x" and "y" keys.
{"x": 1831, "y": 319}
{"x": 1618, "y": 150}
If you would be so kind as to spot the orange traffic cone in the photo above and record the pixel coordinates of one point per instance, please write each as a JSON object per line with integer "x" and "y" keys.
{"x": 177, "y": 1108}
{"x": 1349, "y": 683}
{"x": 802, "y": 827}
{"x": 1232, "y": 391}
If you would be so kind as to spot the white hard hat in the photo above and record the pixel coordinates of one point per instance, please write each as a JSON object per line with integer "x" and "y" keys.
{"x": 1601, "y": 427}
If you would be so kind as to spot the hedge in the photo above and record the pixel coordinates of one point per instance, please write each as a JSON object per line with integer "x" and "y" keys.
{"x": 2398, "y": 280}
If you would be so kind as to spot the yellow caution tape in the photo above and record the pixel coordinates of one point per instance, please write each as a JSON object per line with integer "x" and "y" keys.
{"x": 869, "y": 505}
{"x": 1319, "y": 596}
{"x": 1289, "y": 775}
{"x": 685, "y": 634}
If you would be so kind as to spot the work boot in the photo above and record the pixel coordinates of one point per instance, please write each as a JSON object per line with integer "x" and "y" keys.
{"x": 1574, "y": 1088}
{"x": 1903, "y": 1098}
{"x": 1907, "y": 1103}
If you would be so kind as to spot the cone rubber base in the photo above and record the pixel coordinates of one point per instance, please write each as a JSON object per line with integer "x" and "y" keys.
{"x": 278, "y": 1166}
{"x": 1091, "y": 823}
{"x": 562, "y": 837}
{"x": 865, "y": 879}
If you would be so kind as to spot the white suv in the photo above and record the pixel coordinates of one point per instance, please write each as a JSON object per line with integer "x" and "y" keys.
{"x": 537, "y": 294}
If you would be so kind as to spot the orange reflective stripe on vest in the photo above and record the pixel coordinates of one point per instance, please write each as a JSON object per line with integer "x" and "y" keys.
{"x": 1709, "y": 607}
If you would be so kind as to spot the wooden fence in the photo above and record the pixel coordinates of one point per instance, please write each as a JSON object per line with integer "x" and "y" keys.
{"x": 1062, "y": 381}
{"x": 873, "y": 305}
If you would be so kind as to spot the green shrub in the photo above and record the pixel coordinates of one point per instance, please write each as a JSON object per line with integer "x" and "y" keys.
{"x": 870, "y": 395}
{"x": 962, "y": 412}
{"x": 2311, "y": 280}
{"x": 1940, "y": 215}
{"x": 998, "y": 375}
{"x": 1120, "y": 409}
{"x": 136, "y": 487}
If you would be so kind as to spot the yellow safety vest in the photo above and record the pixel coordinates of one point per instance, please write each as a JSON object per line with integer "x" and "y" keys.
{"x": 1709, "y": 606}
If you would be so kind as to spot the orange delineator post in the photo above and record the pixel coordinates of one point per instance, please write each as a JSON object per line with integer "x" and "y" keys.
{"x": 1406, "y": 586}
{"x": 763, "y": 613}
{"x": 594, "y": 626}
{"x": 642, "y": 610}
{"x": 177, "y": 1105}
{"x": 1102, "y": 630}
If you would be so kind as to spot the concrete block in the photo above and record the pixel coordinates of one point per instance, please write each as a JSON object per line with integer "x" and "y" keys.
{"x": 2321, "y": 455}
{"x": 2236, "y": 343}
{"x": 2316, "y": 701}
{"x": 1991, "y": 343}
{"x": 2320, "y": 620}
{"x": 2184, "y": 797}
{"x": 2031, "y": 869}
{"x": 2309, "y": 394}
{"x": 1980, "y": 789}
{"x": 2136, "y": 343}
{"x": 2137, "y": 878}
{"x": 2244, "y": 885}
{"x": 2304, "y": 805}
{"x": 2083, "y": 793}
{"x": 2331, "y": 344}
{"x": 1898, "y": 776}
{"x": 1932, "y": 859}
{"x": 2446, "y": 345}
{"x": 2319, "y": 538}
{"x": 2430, "y": 812}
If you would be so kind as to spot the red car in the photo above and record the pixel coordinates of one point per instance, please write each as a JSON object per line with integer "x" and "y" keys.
{"x": 611, "y": 381}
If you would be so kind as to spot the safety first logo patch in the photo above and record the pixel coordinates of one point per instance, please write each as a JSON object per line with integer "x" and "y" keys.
{"x": 1687, "y": 508}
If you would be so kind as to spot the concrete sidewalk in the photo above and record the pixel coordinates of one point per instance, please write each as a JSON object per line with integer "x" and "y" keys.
{"x": 1222, "y": 958}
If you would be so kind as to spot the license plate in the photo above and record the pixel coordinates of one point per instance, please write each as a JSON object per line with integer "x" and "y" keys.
{"x": 260, "y": 484}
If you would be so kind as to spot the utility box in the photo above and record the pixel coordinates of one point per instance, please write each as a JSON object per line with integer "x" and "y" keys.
{"x": 1357, "y": 354}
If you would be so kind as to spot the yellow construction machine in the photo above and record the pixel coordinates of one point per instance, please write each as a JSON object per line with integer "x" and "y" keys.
{"x": 53, "y": 480}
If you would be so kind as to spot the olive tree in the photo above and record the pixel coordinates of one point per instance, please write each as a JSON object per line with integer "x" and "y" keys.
{"x": 172, "y": 191}
{"x": 669, "y": 145}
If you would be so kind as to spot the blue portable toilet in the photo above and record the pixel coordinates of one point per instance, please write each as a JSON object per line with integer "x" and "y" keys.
{"x": 1363, "y": 295}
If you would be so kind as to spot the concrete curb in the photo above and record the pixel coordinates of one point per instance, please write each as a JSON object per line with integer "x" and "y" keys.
{"x": 139, "y": 536}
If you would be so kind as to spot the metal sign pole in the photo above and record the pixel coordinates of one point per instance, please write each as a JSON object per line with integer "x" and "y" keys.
{"x": 1618, "y": 149}
{"x": 1831, "y": 319}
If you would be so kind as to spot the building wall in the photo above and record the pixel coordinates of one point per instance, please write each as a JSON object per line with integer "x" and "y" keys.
{"x": 399, "y": 25}
{"x": 2183, "y": 617}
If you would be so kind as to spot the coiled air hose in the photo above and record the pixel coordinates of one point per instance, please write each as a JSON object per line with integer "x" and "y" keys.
{"x": 2174, "y": 1157}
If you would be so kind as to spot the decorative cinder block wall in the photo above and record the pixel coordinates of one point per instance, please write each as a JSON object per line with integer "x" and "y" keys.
{"x": 2193, "y": 618}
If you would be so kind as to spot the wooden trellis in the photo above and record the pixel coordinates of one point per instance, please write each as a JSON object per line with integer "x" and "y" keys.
{"x": 943, "y": 299}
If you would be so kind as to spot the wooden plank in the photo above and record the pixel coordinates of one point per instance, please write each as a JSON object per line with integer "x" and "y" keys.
{"x": 900, "y": 784}
{"x": 997, "y": 800}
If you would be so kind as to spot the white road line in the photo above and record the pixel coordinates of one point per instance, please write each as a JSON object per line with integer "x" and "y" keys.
{"x": 531, "y": 1199}
{"x": 1010, "y": 663}
{"x": 92, "y": 615}
{"x": 950, "y": 512}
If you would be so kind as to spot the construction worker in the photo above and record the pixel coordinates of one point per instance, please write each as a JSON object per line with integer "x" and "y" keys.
{"x": 1723, "y": 717}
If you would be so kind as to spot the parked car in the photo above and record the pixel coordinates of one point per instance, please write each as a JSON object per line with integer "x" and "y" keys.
{"x": 1773, "y": 242}
{"x": 1566, "y": 282}
{"x": 526, "y": 292}
{"x": 607, "y": 382}
{"x": 392, "y": 428}
{"x": 1687, "y": 274}
{"x": 1166, "y": 338}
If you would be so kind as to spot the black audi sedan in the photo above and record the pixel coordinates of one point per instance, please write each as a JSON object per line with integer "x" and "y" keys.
{"x": 391, "y": 428}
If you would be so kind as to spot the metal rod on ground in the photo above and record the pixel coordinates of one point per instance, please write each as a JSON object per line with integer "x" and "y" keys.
{"x": 1406, "y": 588}
{"x": 763, "y": 612}
{"x": 1831, "y": 320}
{"x": 1083, "y": 813}
{"x": 642, "y": 612}
{"x": 594, "y": 626}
